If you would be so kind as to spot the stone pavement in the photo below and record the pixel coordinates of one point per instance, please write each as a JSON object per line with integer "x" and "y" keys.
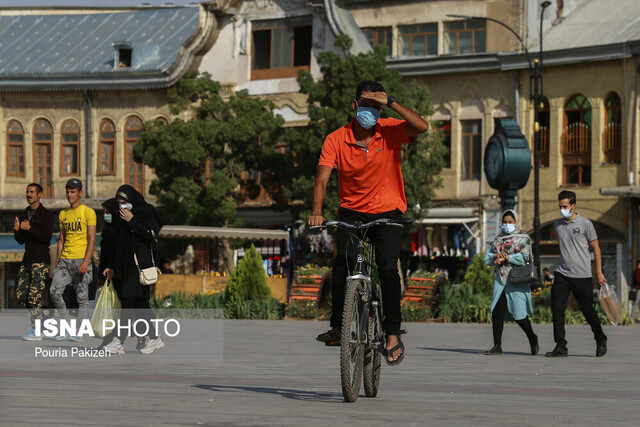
{"x": 275, "y": 373}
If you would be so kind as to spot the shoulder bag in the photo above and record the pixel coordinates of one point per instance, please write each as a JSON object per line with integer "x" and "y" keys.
{"x": 523, "y": 274}
{"x": 148, "y": 276}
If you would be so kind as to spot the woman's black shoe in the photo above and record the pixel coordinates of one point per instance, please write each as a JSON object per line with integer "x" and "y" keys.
{"x": 494, "y": 351}
{"x": 533, "y": 342}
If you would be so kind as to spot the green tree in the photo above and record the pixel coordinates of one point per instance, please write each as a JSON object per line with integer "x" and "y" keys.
{"x": 229, "y": 134}
{"x": 248, "y": 281}
{"x": 329, "y": 106}
{"x": 479, "y": 276}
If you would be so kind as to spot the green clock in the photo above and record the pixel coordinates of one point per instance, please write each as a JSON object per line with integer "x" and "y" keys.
{"x": 507, "y": 158}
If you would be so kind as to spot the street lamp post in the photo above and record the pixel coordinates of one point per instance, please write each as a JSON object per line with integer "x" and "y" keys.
{"x": 535, "y": 95}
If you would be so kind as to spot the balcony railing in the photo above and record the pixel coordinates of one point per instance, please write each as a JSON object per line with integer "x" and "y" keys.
{"x": 611, "y": 142}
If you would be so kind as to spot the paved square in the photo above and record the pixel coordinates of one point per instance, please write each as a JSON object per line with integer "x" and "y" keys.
{"x": 275, "y": 373}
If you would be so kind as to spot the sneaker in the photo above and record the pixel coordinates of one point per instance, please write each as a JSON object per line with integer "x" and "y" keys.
{"x": 74, "y": 338}
{"x": 496, "y": 350}
{"x": 142, "y": 343}
{"x": 152, "y": 345}
{"x": 31, "y": 336}
{"x": 115, "y": 346}
{"x": 61, "y": 337}
{"x": 329, "y": 336}
{"x": 558, "y": 352}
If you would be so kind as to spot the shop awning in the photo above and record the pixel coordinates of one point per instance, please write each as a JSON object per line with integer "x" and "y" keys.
{"x": 195, "y": 232}
{"x": 454, "y": 215}
{"x": 624, "y": 191}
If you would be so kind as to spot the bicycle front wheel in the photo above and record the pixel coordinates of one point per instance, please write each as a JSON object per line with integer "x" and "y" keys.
{"x": 352, "y": 342}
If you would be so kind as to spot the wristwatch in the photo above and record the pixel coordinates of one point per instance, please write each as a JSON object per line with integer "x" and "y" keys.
{"x": 390, "y": 100}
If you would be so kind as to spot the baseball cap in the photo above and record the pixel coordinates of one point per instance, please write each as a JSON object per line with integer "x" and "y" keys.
{"x": 74, "y": 183}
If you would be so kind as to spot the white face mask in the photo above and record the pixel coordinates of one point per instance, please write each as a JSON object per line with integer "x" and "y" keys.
{"x": 127, "y": 206}
{"x": 566, "y": 213}
{"x": 508, "y": 228}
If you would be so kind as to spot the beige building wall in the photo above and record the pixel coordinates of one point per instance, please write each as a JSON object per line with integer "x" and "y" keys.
{"x": 56, "y": 107}
{"x": 560, "y": 84}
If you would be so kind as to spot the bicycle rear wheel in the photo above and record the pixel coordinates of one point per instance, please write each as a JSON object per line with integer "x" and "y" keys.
{"x": 373, "y": 354}
{"x": 351, "y": 343}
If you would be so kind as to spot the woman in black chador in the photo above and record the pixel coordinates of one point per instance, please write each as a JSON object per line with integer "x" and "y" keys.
{"x": 136, "y": 233}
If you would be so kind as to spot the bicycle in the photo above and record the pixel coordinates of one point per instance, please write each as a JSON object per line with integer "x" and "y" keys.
{"x": 363, "y": 341}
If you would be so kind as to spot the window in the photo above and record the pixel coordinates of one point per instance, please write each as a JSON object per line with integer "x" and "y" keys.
{"x": 462, "y": 37}
{"x": 544, "y": 119}
{"x": 42, "y": 147}
{"x": 471, "y": 150}
{"x": 70, "y": 148}
{"x": 613, "y": 127}
{"x": 280, "y": 48}
{"x": 444, "y": 129}
{"x": 134, "y": 172}
{"x": 379, "y": 35}
{"x": 107, "y": 144}
{"x": 207, "y": 173}
{"x": 15, "y": 149}
{"x": 418, "y": 40}
{"x": 576, "y": 141}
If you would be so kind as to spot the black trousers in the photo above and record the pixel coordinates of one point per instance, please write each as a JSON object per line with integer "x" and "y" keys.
{"x": 388, "y": 241}
{"x": 497, "y": 321}
{"x": 582, "y": 289}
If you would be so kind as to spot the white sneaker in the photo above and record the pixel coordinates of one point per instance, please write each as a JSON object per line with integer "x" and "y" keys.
{"x": 31, "y": 336}
{"x": 115, "y": 347}
{"x": 152, "y": 345}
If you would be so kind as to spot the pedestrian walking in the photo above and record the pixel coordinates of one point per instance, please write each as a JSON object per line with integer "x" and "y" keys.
{"x": 576, "y": 235}
{"x": 33, "y": 229}
{"x": 512, "y": 301}
{"x": 75, "y": 250}
{"x": 635, "y": 292}
{"x": 137, "y": 231}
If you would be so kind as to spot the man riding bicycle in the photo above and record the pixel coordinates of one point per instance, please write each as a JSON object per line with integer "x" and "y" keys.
{"x": 366, "y": 153}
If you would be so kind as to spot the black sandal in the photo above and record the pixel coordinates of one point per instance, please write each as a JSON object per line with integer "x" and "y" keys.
{"x": 389, "y": 353}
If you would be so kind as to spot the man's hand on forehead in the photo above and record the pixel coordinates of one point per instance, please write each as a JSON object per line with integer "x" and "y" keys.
{"x": 372, "y": 99}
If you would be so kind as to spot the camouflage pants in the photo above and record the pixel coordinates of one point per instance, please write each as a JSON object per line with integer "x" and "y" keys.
{"x": 32, "y": 279}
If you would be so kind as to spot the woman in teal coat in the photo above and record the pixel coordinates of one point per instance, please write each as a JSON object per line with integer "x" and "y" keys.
{"x": 511, "y": 247}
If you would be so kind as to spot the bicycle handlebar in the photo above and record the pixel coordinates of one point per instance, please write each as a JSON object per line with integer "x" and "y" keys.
{"x": 363, "y": 226}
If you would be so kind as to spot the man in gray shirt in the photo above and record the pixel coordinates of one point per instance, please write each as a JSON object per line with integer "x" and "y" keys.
{"x": 575, "y": 235}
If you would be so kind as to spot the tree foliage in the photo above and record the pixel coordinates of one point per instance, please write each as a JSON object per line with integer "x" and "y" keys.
{"x": 248, "y": 281}
{"x": 330, "y": 107}
{"x": 479, "y": 276}
{"x": 228, "y": 133}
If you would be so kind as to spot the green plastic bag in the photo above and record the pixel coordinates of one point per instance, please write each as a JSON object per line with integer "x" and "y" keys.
{"x": 107, "y": 309}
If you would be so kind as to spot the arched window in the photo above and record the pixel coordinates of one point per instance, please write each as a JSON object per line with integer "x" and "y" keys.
{"x": 106, "y": 150}
{"x": 612, "y": 129}
{"x": 134, "y": 172}
{"x": 576, "y": 141}
{"x": 544, "y": 118}
{"x": 161, "y": 121}
{"x": 42, "y": 148}
{"x": 70, "y": 148}
{"x": 15, "y": 149}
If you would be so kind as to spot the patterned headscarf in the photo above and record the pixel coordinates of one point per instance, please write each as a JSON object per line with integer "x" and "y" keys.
{"x": 511, "y": 243}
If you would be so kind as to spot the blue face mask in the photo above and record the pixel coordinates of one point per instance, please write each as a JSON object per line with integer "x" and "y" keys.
{"x": 508, "y": 228}
{"x": 367, "y": 116}
{"x": 108, "y": 218}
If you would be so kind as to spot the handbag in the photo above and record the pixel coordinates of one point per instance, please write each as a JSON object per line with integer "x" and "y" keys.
{"x": 148, "y": 276}
{"x": 523, "y": 274}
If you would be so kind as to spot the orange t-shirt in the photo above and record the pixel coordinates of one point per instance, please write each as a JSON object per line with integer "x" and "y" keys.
{"x": 370, "y": 180}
